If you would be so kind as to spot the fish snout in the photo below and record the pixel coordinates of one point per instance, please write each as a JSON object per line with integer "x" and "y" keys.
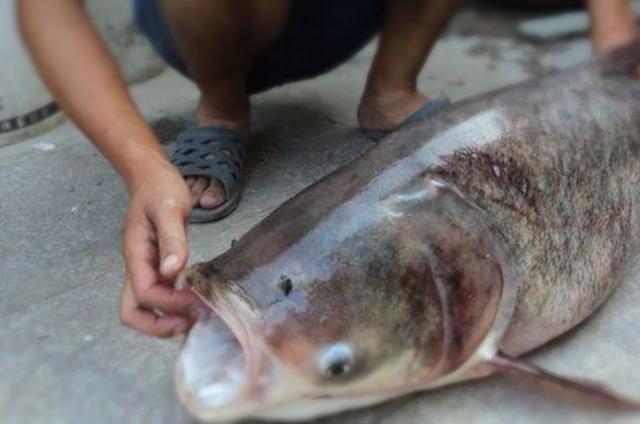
{"x": 222, "y": 367}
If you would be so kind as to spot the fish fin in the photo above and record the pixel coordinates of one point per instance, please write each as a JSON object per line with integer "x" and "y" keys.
{"x": 582, "y": 389}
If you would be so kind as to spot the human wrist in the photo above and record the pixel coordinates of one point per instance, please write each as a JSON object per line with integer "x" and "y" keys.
{"x": 144, "y": 165}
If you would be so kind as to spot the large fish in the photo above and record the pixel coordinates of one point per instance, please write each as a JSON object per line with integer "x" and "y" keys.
{"x": 454, "y": 246}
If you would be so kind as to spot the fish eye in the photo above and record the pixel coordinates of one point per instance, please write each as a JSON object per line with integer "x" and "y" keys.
{"x": 337, "y": 361}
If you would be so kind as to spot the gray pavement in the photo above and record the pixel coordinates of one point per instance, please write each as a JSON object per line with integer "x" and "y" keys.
{"x": 64, "y": 358}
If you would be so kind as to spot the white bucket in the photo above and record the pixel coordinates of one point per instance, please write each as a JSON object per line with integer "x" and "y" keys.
{"x": 26, "y": 107}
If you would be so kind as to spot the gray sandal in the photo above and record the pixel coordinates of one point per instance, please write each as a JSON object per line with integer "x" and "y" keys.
{"x": 212, "y": 152}
{"x": 428, "y": 109}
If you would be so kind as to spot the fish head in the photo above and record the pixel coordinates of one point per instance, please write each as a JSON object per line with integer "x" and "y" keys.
{"x": 367, "y": 304}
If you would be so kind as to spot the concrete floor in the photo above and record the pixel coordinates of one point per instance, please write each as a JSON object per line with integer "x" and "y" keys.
{"x": 64, "y": 358}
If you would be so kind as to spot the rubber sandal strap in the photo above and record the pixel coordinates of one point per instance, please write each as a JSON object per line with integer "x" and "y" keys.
{"x": 212, "y": 152}
{"x": 428, "y": 109}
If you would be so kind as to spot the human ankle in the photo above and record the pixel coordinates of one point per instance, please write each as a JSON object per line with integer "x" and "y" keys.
{"x": 613, "y": 30}
{"x": 379, "y": 87}
{"x": 234, "y": 117}
{"x": 388, "y": 109}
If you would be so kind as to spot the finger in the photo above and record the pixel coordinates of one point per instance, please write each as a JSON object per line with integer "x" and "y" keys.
{"x": 197, "y": 188}
{"x": 170, "y": 225}
{"x": 141, "y": 256}
{"x": 213, "y": 196}
{"x": 166, "y": 298}
{"x": 140, "y": 252}
{"x": 146, "y": 321}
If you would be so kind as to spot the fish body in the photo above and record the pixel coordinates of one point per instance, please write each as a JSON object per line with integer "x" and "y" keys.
{"x": 461, "y": 241}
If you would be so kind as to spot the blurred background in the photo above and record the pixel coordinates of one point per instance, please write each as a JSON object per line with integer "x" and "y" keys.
{"x": 65, "y": 358}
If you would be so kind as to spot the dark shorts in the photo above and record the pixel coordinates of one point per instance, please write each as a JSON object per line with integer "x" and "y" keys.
{"x": 318, "y": 36}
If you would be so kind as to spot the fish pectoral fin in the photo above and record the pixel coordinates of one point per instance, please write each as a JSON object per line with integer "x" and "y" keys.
{"x": 579, "y": 388}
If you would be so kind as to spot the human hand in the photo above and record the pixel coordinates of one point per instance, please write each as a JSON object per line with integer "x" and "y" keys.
{"x": 155, "y": 252}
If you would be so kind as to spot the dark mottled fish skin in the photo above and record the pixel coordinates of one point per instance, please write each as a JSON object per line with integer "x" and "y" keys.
{"x": 499, "y": 223}
{"x": 561, "y": 183}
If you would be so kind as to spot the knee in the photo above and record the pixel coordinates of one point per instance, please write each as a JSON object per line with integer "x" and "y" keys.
{"x": 232, "y": 21}
{"x": 267, "y": 17}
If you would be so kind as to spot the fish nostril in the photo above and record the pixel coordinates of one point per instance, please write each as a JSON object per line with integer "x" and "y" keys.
{"x": 285, "y": 285}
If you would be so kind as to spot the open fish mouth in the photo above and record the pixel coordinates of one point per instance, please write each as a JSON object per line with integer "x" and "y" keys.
{"x": 211, "y": 368}
{"x": 225, "y": 374}
{"x": 221, "y": 372}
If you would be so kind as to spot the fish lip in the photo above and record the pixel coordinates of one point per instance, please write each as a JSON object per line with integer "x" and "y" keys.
{"x": 241, "y": 328}
{"x": 232, "y": 306}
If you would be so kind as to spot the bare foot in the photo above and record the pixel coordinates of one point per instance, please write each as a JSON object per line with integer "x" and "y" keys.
{"x": 387, "y": 111}
{"x": 209, "y": 193}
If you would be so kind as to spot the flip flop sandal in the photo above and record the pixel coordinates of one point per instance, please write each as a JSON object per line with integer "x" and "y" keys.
{"x": 426, "y": 110}
{"x": 212, "y": 152}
